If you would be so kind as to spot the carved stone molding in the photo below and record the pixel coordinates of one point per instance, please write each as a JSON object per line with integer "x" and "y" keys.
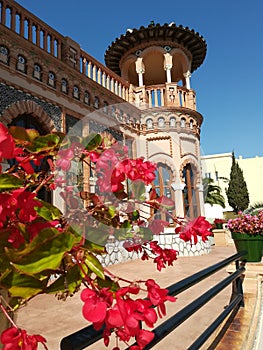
{"x": 168, "y": 151}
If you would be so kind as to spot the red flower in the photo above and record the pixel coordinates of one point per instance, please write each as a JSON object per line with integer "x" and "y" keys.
{"x": 158, "y": 296}
{"x": 164, "y": 256}
{"x": 26, "y": 202}
{"x": 198, "y": 227}
{"x": 95, "y": 304}
{"x": 17, "y": 339}
{"x": 16, "y": 238}
{"x": 7, "y": 145}
{"x": 144, "y": 338}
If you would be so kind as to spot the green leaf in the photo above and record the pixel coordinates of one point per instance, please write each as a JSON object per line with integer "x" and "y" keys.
{"x": 111, "y": 210}
{"x": 44, "y": 143}
{"x": 21, "y": 285}
{"x": 8, "y": 182}
{"x": 23, "y": 134}
{"x": 135, "y": 215}
{"x": 94, "y": 265}
{"x": 48, "y": 211}
{"x": 45, "y": 252}
{"x": 92, "y": 142}
{"x": 108, "y": 283}
{"x": 68, "y": 282}
{"x": 126, "y": 224}
{"x": 97, "y": 235}
{"x": 94, "y": 248}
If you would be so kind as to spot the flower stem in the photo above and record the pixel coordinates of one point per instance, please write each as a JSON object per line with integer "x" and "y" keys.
{"x": 7, "y": 315}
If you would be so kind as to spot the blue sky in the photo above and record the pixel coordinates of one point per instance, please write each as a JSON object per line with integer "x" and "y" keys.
{"x": 228, "y": 84}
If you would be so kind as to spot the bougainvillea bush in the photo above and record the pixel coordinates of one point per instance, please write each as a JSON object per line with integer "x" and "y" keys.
{"x": 45, "y": 250}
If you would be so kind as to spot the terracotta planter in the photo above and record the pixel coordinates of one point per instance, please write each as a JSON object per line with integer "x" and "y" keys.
{"x": 252, "y": 243}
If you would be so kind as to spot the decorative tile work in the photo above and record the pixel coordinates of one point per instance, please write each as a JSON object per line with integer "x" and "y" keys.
{"x": 10, "y": 95}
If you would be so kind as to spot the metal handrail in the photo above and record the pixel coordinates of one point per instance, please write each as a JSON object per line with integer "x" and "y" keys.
{"x": 87, "y": 336}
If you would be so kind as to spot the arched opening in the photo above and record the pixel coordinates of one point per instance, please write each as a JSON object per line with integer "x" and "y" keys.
{"x": 190, "y": 193}
{"x": 162, "y": 186}
{"x": 28, "y": 121}
{"x": 154, "y": 71}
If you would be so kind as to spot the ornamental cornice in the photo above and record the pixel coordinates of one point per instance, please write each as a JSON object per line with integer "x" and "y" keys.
{"x": 167, "y": 35}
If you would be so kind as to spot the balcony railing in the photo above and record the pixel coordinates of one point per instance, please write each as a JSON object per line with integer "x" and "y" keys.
{"x": 170, "y": 95}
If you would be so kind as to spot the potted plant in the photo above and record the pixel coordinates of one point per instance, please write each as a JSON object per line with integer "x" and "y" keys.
{"x": 218, "y": 224}
{"x": 247, "y": 233}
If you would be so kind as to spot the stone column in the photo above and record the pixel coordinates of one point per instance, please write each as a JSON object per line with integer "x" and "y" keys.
{"x": 187, "y": 76}
{"x": 178, "y": 188}
{"x": 140, "y": 70}
{"x": 167, "y": 65}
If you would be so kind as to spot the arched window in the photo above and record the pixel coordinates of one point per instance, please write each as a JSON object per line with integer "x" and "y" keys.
{"x": 76, "y": 92}
{"x": 190, "y": 194}
{"x": 191, "y": 124}
{"x": 21, "y": 64}
{"x": 161, "y": 123}
{"x": 162, "y": 186}
{"x": 51, "y": 79}
{"x": 64, "y": 85}
{"x": 96, "y": 102}
{"x": 4, "y": 54}
{"x": 27, "y": 121}
{"x": 105, "y": 107}
{"x": 37, "y": 72}
{"x": 149, "y": 124}
{"x": 172, "y": 122}
{"x": 183, "y": 122}
{"x": 87, "y": 98}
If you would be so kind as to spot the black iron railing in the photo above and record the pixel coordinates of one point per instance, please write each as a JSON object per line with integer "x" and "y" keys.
{"x": 87, "y": 336}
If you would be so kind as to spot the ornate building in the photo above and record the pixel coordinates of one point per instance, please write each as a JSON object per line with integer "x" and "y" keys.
{"x": 142, "y": 95}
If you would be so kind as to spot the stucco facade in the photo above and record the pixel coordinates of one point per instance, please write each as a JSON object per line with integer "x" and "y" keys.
{"x": 142, "y": 96}
{"x": 218, "y": 167}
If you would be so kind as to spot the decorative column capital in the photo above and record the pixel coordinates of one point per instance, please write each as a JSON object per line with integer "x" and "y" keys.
{"x": 168, "y": 66}
{"x": 140, "y": 68}
{"x": 168, "y": 61}
{"x": 187, "y": 74}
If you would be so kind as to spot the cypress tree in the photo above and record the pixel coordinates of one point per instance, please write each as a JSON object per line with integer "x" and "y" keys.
{"x": 237, "y": 193}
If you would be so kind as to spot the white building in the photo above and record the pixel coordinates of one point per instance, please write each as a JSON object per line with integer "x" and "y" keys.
{"x": 218, "y": 167}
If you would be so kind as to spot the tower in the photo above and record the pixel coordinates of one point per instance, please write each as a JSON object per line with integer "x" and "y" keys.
{"x": 157, "y": 61}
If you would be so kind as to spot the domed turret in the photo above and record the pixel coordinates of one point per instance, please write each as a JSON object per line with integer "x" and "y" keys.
{"x": 156, "y": 54}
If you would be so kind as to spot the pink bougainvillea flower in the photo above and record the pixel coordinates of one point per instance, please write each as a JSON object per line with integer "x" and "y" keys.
{"x": 7, "y": 145}
{"x": 198, "y": 227}
{"x": 17, "y": 339}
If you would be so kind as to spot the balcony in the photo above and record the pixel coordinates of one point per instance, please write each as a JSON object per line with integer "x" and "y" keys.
{"x": 164, "y": 95}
